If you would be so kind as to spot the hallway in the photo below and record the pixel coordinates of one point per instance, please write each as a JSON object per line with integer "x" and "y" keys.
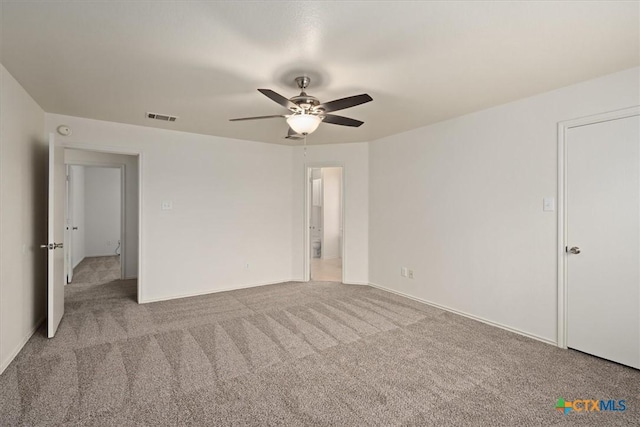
{"x": 326, "y": 270}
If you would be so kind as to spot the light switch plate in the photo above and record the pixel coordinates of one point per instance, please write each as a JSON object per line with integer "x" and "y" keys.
{"x": 167, "y": 205}
{"x": 548, "y": 204}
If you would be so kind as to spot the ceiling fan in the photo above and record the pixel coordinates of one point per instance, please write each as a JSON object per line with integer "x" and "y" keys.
{"x": 307, "y": 112}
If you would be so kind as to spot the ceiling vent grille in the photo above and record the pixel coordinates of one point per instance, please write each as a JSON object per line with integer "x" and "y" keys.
{"x": 162, "y": 117}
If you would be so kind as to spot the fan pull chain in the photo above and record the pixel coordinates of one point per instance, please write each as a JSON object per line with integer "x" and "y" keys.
{"x": 305, "y": 145}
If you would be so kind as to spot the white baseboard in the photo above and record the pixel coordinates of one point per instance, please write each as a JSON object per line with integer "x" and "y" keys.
{"x": 5, "y": 363}
{"x": 253, "y": 285}
{"x": 300, "y": 279}
{"x": 130, "y": 277}
{"x": 470, "y": 316}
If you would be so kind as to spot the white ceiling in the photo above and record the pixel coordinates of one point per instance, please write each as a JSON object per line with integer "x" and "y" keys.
{"x": 422, "y": 62}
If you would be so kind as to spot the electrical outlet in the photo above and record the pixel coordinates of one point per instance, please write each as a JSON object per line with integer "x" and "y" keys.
{"x": 403, "y": 271}
{"x": 410, "y": 274}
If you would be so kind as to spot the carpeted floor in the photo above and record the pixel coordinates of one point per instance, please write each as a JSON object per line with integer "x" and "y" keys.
{"x": 97, "y": 270}
{"x": 296, "y": 354}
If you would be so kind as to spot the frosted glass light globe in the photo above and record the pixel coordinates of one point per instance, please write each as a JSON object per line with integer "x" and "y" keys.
{"x": 303, "y": 124}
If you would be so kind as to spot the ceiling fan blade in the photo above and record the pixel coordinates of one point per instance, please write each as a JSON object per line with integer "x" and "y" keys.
{"x": 343, "y": 121}
{"x": 342, "y": 103}
{"x": 278, "y": 98}
{"x": 255, "y": 118}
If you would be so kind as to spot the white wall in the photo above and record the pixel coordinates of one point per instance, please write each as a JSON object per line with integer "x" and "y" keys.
{"x": 332, "y": 212}
{"x": 76, "y": 190}
{"x": 355, "y": 159}
{"x": 460, "y": 202}
{"x": 231, "y": 206}
{"x": 23, "y": 217}
{"x": 102, "y": 210}
{"x": 130, "y": 164}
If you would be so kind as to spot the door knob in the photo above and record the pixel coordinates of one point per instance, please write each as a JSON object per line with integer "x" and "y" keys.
{"x": 52, "y": 246}
{"x": 574, "y": 250}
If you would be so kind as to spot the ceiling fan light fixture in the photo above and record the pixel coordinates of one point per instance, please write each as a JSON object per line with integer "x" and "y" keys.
{"x": 306, "y": 112}
{"x": 304, "y": 124}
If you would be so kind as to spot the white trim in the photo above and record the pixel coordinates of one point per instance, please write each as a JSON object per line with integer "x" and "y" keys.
{"x": 100, "y": 148}
{"x": 5, "y": 363}
{"x": 123, "y": 220}
{"x": 140, "y": 216}
{"x": 96, "y": 255}
{"x": 306, "y": 266}
{"x": 563, "y": 127}
{"x": 129, "y": 152}
{"x": 90, "y": 163}
{"x": 467, "y": 315}
{"x": 208, "y": 292}
{"x": 68, "y": 213}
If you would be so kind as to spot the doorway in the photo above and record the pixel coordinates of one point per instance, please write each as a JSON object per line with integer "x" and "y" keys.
{"x": 325, "y": 219}
{"x": 95, "y": 223}
{"x": 130, "y": 163}
{"x": 599, "y": 239}
{"x": 102, "y": 218}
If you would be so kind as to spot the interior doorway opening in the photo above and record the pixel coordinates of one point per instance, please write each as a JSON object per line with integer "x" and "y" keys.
{"x": 101, "y": 228}
{"x": 95, "y": 218}
{"x": 325, "y": 223}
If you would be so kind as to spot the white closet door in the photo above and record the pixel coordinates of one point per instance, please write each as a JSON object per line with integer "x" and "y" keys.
{"x": 603, "y": 232}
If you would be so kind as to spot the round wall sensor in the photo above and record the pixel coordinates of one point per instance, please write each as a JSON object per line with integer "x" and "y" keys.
{"x": 64, "y": 130}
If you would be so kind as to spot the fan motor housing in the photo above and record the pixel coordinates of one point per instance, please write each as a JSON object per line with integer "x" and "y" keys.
{"x": 304, "y": 101}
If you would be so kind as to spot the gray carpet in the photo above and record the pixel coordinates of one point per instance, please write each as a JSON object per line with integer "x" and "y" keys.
{"x": 295, "y": 354}
{"x": 97, "y": 270}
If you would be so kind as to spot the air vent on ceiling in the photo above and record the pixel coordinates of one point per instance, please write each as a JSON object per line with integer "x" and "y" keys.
{"x": 163, "y": 117}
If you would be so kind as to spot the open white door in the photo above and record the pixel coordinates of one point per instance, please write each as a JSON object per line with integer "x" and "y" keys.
{"x": 56, "y": 279}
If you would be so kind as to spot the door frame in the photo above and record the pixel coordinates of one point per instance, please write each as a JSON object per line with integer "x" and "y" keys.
{"x": 123, "y": 206}
{"x": 68, "y": 248}
{"x": 128, "y": 152}
{"x": 306, "y": 269}
{"x": 563, "y": 127}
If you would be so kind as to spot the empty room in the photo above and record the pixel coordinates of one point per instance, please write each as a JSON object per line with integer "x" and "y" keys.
{"x": 312, "y": 213}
